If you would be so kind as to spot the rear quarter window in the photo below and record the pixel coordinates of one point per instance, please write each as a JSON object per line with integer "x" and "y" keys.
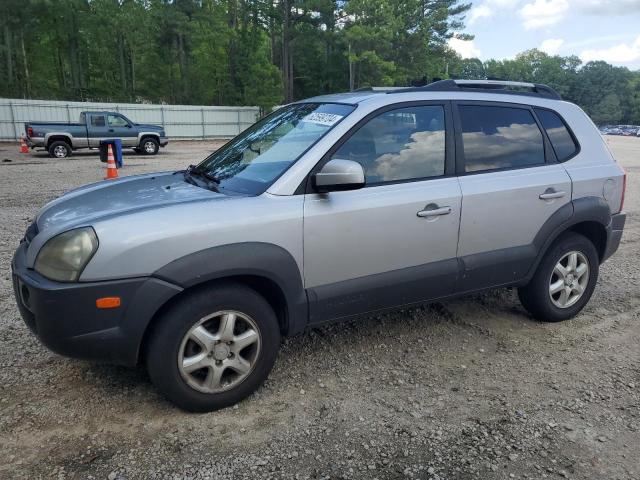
{"x": 561, "y": 139}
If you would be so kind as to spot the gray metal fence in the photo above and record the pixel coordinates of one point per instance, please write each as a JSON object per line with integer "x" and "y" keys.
{"x": 179, "y": 121}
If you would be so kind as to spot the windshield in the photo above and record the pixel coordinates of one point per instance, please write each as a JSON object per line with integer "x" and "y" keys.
{"x": 253, "y": 160}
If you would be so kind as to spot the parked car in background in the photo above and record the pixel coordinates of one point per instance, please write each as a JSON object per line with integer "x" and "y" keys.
{"x": 329, "y": 208}
{"x": 60, "y": 139}
{"x": 623, "y": 130}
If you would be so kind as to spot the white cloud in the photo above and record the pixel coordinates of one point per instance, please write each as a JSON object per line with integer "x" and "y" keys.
{"x": 621, "y": 53}
{"x": 476, "y": 13}
{"x": 551, "y": 45}
{"x": 543, "y": 13}
{"x": 615, "y": 7}
{"x": 489, "y": 8}
{"x": 464, "y": 48}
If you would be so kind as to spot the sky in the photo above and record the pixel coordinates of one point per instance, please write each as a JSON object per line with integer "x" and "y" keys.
{"x": 606, "y": 30}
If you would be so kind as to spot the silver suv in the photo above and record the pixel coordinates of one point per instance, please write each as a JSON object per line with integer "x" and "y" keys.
{"x": 328, "y": 208}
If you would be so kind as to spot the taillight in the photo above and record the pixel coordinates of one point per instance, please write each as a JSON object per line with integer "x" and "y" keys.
{"x": 624, "y": 188}
{"x": 30, "y": 132}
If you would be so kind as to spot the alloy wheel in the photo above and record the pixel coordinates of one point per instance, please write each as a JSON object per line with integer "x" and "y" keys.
{"x": 569, "y": 279}
{"x": 219, "y": 351}
{"x": 60, "y": 151}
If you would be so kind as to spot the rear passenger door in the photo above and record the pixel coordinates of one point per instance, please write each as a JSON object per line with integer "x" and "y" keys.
{"x": 511, "y": 186}
{"x": 96, "y": 128}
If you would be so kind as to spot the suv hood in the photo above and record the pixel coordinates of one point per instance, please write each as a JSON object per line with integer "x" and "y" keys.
{"x": 87, "y": 204}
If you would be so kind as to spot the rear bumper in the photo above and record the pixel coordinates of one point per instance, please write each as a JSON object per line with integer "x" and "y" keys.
{"x": 64, "y": 316}
{"x": 164, "y": 141}
{"x": 35, "y": 142}
{"x": 614, "y": 234}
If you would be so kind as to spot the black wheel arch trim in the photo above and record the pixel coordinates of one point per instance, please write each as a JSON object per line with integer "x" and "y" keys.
{"x": 254, "y": 259}
{"x": 580, "y": 210}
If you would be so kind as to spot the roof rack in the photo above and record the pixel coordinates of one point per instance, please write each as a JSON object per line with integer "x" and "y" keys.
{"x": 494, "y": 86}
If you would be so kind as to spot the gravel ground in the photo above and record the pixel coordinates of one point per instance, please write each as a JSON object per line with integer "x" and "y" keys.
{"x": 471, "y": 388}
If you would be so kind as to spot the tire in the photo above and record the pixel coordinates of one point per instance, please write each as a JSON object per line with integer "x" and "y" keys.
{"x": 149, "y": 146}
{"x": 59, "y": 149}
{"x": 537, "y": 298}
{"x": 179, "y": 336}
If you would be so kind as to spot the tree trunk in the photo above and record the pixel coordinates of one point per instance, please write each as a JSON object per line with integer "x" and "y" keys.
{"x": 232, "y": 22}
{"x": 8, "y": 54}
{"x": 352, "y": 69}
{"x": 287, "y": 60}
{"x": 74, "y": 57}
{"x": 184, "y": 73}
{"x": 122, "y": 64}
{"x": 132, "y": 66}
{"x": 25, "y": 65}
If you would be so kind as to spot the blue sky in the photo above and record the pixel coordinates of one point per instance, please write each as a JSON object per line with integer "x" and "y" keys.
{"x": 591, "y": 29}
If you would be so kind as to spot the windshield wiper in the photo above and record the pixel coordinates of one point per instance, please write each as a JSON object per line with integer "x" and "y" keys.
{"x": 210, "y": 181}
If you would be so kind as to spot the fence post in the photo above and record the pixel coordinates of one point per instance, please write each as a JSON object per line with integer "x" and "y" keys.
{"x": 162, "y": 117}
{"x": 238, "y": 112}
{"x": 13, "y": 121}
{"x": 68, "y": 113}
{"x": 202, "y": 115}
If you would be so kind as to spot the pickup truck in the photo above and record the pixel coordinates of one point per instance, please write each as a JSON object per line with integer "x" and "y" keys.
{"x": 60, "y": 139}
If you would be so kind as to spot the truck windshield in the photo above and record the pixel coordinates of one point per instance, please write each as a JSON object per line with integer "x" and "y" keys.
{"x": 253, "y": 160}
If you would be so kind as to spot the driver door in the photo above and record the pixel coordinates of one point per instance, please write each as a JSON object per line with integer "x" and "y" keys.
{"x": 394, "y": 241}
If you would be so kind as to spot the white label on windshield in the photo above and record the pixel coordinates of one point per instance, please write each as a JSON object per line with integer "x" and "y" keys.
{"x": 327, "y": 119}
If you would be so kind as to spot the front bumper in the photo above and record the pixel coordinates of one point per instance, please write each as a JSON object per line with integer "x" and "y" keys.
{"x": 614, "y": 234}
{"x": 65, "y": 318}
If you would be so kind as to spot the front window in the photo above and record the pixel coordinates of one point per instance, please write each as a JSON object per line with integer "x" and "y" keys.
{"x": 399, "y": 145}
{"x": 116, "y": 121}
{"x": 253, "y": 160}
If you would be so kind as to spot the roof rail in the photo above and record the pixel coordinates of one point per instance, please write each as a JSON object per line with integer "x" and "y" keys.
{"x": 494, "y": 86}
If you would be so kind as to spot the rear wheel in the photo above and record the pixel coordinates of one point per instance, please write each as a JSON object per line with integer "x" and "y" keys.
{"x": 564, "y": 280}
{"x": 149, "y": 146}
{"x": 213, "y": 348}
{"x": 59, "y": 149}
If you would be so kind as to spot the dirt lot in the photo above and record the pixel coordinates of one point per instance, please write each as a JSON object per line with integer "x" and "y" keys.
{"x": 468, "y": 389}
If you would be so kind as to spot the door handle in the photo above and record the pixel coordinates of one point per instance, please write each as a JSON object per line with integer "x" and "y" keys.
{"x": 111, "y": 130}
{"x": 434, "y": 212}
{"x": 550, "y": 194}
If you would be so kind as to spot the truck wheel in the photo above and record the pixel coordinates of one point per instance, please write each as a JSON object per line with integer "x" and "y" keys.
{"x": 59, "y": 149}
{"x": 213, "y": 348}
{"x": 149, "y": 146}
{"x": 564, "y": 280}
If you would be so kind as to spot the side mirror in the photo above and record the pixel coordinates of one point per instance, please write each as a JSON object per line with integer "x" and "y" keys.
{"x": 338, "y": 175}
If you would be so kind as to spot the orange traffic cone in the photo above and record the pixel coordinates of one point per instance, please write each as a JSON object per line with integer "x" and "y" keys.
{"x": 23, "y": 146}
{"x": 112, "y": 171}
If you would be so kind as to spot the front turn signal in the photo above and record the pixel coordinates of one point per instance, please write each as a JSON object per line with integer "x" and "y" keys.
{"x": 108, "y": 302}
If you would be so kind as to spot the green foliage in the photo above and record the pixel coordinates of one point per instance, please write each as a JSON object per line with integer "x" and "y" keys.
{"x": 608, "y": 94}
{"x": 266, "y": 52}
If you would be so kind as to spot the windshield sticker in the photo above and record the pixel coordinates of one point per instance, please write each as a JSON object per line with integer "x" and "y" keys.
{"x": 327, "y": 119}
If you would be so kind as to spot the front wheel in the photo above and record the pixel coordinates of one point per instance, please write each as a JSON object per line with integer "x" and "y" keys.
{"x": 213, "y": 348}
{"x": 564, "y": 280}
{"x": 149, "y": 146}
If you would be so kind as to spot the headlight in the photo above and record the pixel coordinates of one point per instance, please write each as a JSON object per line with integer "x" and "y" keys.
{"x": 64, "y": 256}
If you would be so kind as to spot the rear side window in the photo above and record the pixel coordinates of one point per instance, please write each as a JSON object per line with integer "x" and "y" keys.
{"x": 97, "y": 121}
{"x": 561, "y": 140}
{"x": 499, "y": 137}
